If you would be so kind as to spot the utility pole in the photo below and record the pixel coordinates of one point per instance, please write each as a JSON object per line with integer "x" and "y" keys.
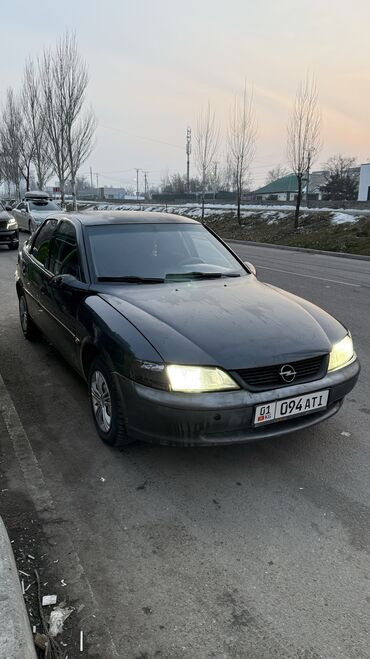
{"x": 188, "y": 152}
{"x": 137, "y": 169}
{"x": 146, "y": 186}
{"x": 91, "y": 179}
{"x": 97, "y": 179}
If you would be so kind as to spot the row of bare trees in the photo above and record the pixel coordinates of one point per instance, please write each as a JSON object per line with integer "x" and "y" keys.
{"x": 303, "y": 140}
{"x": 45, "y": 128}
{"x": 241, "y": 140}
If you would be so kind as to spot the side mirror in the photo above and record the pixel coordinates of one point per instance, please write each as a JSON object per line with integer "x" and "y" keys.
{"x": 69, "y": 283}
{"x": 251, "y": 267}
{"x": 8, "y": 207}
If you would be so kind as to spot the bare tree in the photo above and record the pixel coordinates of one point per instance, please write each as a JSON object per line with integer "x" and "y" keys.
{"x": 10, "y": 140}
{"x": 304, "y": 141}
{"x": 79, "y": 128}
{"x": 242, "y": 141}
{"x": 52, "y": 81}
{"x": 341, "y": 178}
{"x": 35, "y": 124}
{"x": 64, "y": 79}
{"x": 275, "y": 173}
{"x": 206, "y": 144}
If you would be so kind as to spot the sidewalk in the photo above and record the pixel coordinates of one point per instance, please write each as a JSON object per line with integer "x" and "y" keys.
{"x": 16, "y": 641}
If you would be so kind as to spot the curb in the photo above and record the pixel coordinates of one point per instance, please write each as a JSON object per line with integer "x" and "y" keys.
{"x": 15, "y": 632}
{"x": 308, "y": 250}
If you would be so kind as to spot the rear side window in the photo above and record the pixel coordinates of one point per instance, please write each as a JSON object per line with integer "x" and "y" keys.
{"x": 41, "y": 245}
{"x": 64, "y": 258}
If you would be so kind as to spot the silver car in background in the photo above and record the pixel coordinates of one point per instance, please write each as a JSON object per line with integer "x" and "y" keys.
{"x": 33, "y": 210}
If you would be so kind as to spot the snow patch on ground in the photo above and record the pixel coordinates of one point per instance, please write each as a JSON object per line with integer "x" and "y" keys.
{"x": 270, "y": 214}
{"x": 343, "y": 218}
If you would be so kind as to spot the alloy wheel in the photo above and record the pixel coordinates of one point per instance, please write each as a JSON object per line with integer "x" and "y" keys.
{"x": 101, "y": 401}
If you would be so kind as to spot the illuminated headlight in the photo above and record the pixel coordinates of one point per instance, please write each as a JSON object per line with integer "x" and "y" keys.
{"x": 342, "y": 353}
{"x": 12, "y": 224}
{"x": 197, "y": 379}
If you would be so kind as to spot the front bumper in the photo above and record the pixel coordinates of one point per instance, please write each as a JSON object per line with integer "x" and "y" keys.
{"x": 9, "y": 237}
{"x": 225, "y": 417}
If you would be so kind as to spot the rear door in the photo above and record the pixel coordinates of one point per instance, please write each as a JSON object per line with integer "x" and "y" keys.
{"x": 35, "y": 273}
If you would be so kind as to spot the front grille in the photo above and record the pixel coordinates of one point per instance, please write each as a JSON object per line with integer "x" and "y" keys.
{"x": 268, "y": 377}
{"x": 3, "y": 225}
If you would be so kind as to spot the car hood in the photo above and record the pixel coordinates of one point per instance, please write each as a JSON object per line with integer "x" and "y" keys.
{"x": 234, "y": 323}
{"x": 4, "y": 215}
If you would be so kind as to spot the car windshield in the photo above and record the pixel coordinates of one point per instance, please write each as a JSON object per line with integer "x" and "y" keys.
{"x": 43, "y": 205}
{"x": 157, "y": 252}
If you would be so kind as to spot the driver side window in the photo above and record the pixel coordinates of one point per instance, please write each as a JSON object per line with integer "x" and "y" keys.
{"x": 64, "y": 259}
{"x": 41, "y": 245}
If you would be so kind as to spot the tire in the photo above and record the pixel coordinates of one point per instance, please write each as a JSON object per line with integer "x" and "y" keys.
{"x": 29, "y": 329}
{"x": 106, "y": 405}
{"x": 14, "y": 245}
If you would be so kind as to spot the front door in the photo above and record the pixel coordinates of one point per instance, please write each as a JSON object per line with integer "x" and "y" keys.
{"x": 20, "y": 214}
{"x": 61, "y": 305}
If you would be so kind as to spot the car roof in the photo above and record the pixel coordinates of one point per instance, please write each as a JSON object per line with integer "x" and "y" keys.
{"x": 128, "y": 217}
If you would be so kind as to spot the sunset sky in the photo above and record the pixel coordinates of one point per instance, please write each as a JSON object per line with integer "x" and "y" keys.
{"x": 153, "y": 65}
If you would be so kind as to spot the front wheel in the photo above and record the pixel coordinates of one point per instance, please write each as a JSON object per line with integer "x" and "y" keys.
{"x": 106, "y": 405}
{"x": 29, "y": 329}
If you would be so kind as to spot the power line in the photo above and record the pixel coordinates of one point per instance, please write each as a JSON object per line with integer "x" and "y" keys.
{"x": 142, "y": 137}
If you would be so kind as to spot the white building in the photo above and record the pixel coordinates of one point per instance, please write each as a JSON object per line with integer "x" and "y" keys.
{"x": 364, "y": 187}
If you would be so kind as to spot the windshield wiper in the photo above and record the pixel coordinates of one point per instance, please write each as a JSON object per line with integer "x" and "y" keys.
{"x": 134, "y": 280}
{"x": 201, "y": 275}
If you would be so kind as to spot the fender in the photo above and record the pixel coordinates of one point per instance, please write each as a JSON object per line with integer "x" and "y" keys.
{"x": 104, "y": 329}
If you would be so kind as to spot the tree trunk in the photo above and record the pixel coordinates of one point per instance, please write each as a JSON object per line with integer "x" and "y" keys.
{"x": 62, "y": 192}
{"x": 74, "y": 198}
{"x": 238, "y": 200}
{"x": 203, "y": 191}
{"x": 40, "y": 181}
{"x": 28, "y": 178}
{"x": 298, "y": 202}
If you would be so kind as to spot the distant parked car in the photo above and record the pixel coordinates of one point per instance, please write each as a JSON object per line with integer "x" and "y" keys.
{"x": 178, "y": 340}
{"x": 8, "y": 229}
{"x": 10, "y": 203}
{"x": 33, "y": 209}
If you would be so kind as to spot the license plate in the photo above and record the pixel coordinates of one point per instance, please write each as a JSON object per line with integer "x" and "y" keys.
{"x": 280, "y": 409}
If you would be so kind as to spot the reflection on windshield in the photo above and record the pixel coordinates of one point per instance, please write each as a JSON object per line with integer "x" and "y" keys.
{"x": 43, "y": 205}
{"x": 157, "y": 250}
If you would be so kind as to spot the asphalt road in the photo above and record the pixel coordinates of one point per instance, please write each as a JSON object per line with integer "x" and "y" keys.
{"x": 253, "y": 551}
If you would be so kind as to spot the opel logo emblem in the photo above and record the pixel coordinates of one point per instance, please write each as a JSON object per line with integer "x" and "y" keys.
{"x": 287, "y": 373}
